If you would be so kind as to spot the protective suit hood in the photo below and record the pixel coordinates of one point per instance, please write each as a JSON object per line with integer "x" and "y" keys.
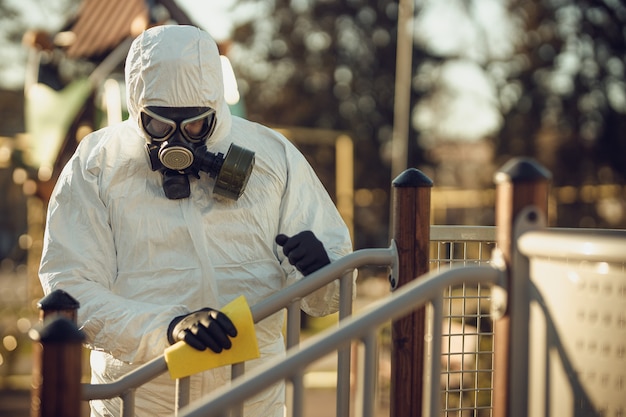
{"x": 176, "y": 66}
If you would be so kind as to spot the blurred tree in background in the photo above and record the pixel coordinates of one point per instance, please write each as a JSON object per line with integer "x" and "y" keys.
{"x": 570, "y": 106}
{"x": 12, "y": 30}
{"x": 330, "y": 65}
{"x": 491, "y": 79}
{"x": 533, "y": 78}
{"x": 568, "y": 73}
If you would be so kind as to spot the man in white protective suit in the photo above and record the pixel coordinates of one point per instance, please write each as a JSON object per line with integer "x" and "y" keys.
{"x": 159, "y": 221}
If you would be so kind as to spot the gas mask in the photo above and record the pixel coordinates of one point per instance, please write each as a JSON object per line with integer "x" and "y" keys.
{"x": 177, "y": 149}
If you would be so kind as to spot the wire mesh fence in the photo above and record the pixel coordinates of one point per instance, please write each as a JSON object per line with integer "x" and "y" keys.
{"x": 467, "y": 332}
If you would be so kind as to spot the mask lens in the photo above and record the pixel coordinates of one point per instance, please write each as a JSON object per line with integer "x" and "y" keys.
{"x": 200, "y": 127}
{"x": 157, "y": 128}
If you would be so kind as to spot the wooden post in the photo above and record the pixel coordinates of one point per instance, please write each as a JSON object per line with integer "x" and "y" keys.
{"x": 58, "y": 302}
{"x": 56, "y": 389}
{"x": 520, "y": 183}
{"x": 411, "y": 233}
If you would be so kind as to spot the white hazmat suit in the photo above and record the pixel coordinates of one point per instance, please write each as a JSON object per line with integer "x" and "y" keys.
{"x": 135, "y": 259}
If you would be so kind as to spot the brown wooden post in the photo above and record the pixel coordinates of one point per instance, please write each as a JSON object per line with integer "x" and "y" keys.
{"x": 58, "y": 302}
{"x": 56, "y": 389}
{"x": 411, "y": 233}
{"x": 520, "y": 183}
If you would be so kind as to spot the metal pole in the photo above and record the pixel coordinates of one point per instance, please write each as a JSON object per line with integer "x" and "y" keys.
{"x": 293, "y": 339}
{"x": 128, "y": 403}
{"x": 237, "y": 370}
{"x": 183, "y": 393}
{"x": 411, "y": 233}
{"x": 344, "y": 355}
{"x": 431, "y": 403}
{"x": 402, "y": 102}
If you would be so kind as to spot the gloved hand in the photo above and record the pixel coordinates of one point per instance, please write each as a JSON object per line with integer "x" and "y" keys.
{"x": 304, "y": 251}
{"x": 201, "y": 329}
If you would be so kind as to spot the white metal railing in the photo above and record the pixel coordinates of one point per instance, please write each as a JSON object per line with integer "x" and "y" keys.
{"x": 458, "y": 294}
{"x": 358, "y": 328}
{"x": 287, "y": 298}
{"x": 454, "y": 246}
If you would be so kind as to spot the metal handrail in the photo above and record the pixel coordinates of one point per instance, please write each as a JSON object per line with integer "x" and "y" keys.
{"x": 401, "y": 302}
{"x": 125, "y": 385}
{"x": 597, "y": 245}
{"x": 131, "y": 380}
{"x": 555, "y": 242}
{"x": 321, "y": 277}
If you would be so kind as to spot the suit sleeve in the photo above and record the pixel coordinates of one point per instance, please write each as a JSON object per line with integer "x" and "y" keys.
{"x": 306, "y": 205}
{"x": 79, "y": 256}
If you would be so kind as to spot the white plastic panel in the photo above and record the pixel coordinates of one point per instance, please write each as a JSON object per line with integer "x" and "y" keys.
{"x": 577, "y": 336}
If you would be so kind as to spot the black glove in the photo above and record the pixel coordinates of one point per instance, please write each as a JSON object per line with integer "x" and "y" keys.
{"x": 205, "y": 328}
{"x": 304, "y": 251}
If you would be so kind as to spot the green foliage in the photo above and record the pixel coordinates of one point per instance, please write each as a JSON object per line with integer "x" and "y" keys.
{"x": 551, "y": 78}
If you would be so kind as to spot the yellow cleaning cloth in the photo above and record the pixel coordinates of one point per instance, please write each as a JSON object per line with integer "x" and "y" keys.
{"x": 183, "y": 360}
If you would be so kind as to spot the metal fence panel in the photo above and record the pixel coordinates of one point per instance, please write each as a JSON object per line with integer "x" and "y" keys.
{"x": 467, "y": 337}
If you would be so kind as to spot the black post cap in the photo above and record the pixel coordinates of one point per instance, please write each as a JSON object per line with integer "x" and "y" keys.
{"x": 412, "y": 177}
{"x": 522, "y": 169}
{"x": 58, "y": 300}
